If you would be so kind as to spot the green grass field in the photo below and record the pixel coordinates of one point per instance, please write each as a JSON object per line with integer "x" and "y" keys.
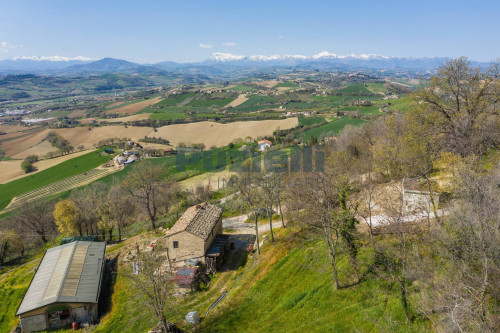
{"x": 332, "y": 100}
{"x": 297, "y": 295}
{"x": 241, "y": 88}
{"x": 66, "y": 169}
{"x": 373, "y": 109}
{"x": 172, "y": 100}
{"x": 211, "y": 103}
{"x": 334, "y": 126}
{"x": 189, "y": 166}
{"x": 375, "y": 88}
{"x": 355, "y": 89}
{"x": 124, "y": 104}
{"x": 305, "y": 121}
{"x": 257, "y": 100}
{"x": 287, "y": 84}
{"x": 168, "y": 113}
{"x": 400, "y": 104}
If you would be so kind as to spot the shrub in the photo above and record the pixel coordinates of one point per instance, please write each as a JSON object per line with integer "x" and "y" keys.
{"x": 31, "y": 158}
{"x": 27, "y": 167}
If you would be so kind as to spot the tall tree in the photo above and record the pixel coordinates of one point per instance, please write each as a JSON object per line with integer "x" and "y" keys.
{"x": 466, "y": 100}
{"x": 121, "y": 208}
{"x": 146, "y": 184}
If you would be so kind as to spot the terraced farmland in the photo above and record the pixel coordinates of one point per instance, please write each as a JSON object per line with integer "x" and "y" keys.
{"x": 61, "y": 186}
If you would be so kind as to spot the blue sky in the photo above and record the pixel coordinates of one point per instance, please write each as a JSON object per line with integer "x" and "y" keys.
{"x": 151, "y": 31}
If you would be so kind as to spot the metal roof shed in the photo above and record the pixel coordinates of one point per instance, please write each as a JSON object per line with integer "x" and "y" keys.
{"x": 69, "y": 276}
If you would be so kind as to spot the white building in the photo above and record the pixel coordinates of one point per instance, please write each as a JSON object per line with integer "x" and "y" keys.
{"x": 264, "y": 145}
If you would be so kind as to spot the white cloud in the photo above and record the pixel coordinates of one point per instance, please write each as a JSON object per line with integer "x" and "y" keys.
{"x": 6, "y": 46}
{"x": 280, "y": 37}
{"x": 229, "y": 44}
{"x": 206, "y": 46}
{"x": 55, "y": 58}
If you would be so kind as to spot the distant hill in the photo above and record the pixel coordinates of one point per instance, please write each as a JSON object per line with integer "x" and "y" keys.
{"x": 39, "y": 64}
{"x": 111, "y": 65}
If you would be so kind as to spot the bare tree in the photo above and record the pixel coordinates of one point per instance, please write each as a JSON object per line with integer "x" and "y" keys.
{"x": 201, "y": 192}
{"x": 145, "y": 184}
{"x": 154, "y": 284}
{"x": 36, "y": 217}
{"x": 469, "y": 279}
{"x": 252, "y": 196}
{"x": 121, "y": 208}
{"x": 315, "y": 207}
{"x": 394, "y": 259}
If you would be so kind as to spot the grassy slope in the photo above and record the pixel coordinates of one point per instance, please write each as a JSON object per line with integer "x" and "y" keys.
{"x": 287, "y": 84}
{"x": 241, "y": 88}
{"x": 335, "y": 126}
{"x": 297, "y": 295}
{"x": 66, "y": 169}
{"x": 305, "y": 121}
{"x": 13, "y": 285}
{"x": 288, "y": 288}
{"x": 358, "y": 89}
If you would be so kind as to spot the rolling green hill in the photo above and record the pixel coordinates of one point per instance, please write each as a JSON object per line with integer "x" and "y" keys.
{"x": 334, "y": 126}
{"x": 297, "y": 295}
{"x": 66, "y": 169}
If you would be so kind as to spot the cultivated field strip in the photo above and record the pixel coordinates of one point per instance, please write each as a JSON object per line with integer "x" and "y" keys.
{"x": 60, "y": 186}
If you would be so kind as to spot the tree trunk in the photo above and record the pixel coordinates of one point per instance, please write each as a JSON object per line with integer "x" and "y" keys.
{"x": 119, "y": 232}
{"x": 434, "y": 208}
{"x": 257, "y": 232}
{"x": 281, "y": 213}
{"x": 334, "y": 268}
{"x": 271, "y": 224}
{"x": 404, "y": 299}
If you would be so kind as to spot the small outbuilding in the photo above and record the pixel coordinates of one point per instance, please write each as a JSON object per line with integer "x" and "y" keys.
{"x": 187, "y": 278}
{"x": 264, "y": 145}
{"x": 65, "y": 288}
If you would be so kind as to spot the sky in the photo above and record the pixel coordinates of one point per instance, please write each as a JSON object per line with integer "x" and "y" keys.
{"x": 191, "y": 30}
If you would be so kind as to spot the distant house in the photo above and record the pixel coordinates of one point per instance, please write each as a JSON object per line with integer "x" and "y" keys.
{"x": 65, "y": 287}
{"x": 195, "y": 237}
{"x": 168, "y": 151}
{"x": 329, "y": 139}
{"x": 264, "y": 145}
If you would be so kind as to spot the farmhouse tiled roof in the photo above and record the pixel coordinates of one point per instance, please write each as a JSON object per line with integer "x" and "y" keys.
{"x": 265, "y": 141}
{"x": 198, "y": 220}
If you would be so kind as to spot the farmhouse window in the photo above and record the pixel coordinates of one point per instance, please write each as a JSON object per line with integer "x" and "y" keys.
{"x": 176, "y": 244}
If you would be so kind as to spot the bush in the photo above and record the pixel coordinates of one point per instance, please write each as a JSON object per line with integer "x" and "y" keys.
{"x": 31, "y": 158}
{"x": 27, "y": 167}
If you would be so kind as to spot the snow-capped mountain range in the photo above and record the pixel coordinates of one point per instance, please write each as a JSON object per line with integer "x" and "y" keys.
{"x": 218, "y": 62}
{"x": 224, "y": 57}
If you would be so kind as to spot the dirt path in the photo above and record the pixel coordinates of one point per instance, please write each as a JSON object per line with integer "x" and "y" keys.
{"x": 238, "y": 225}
